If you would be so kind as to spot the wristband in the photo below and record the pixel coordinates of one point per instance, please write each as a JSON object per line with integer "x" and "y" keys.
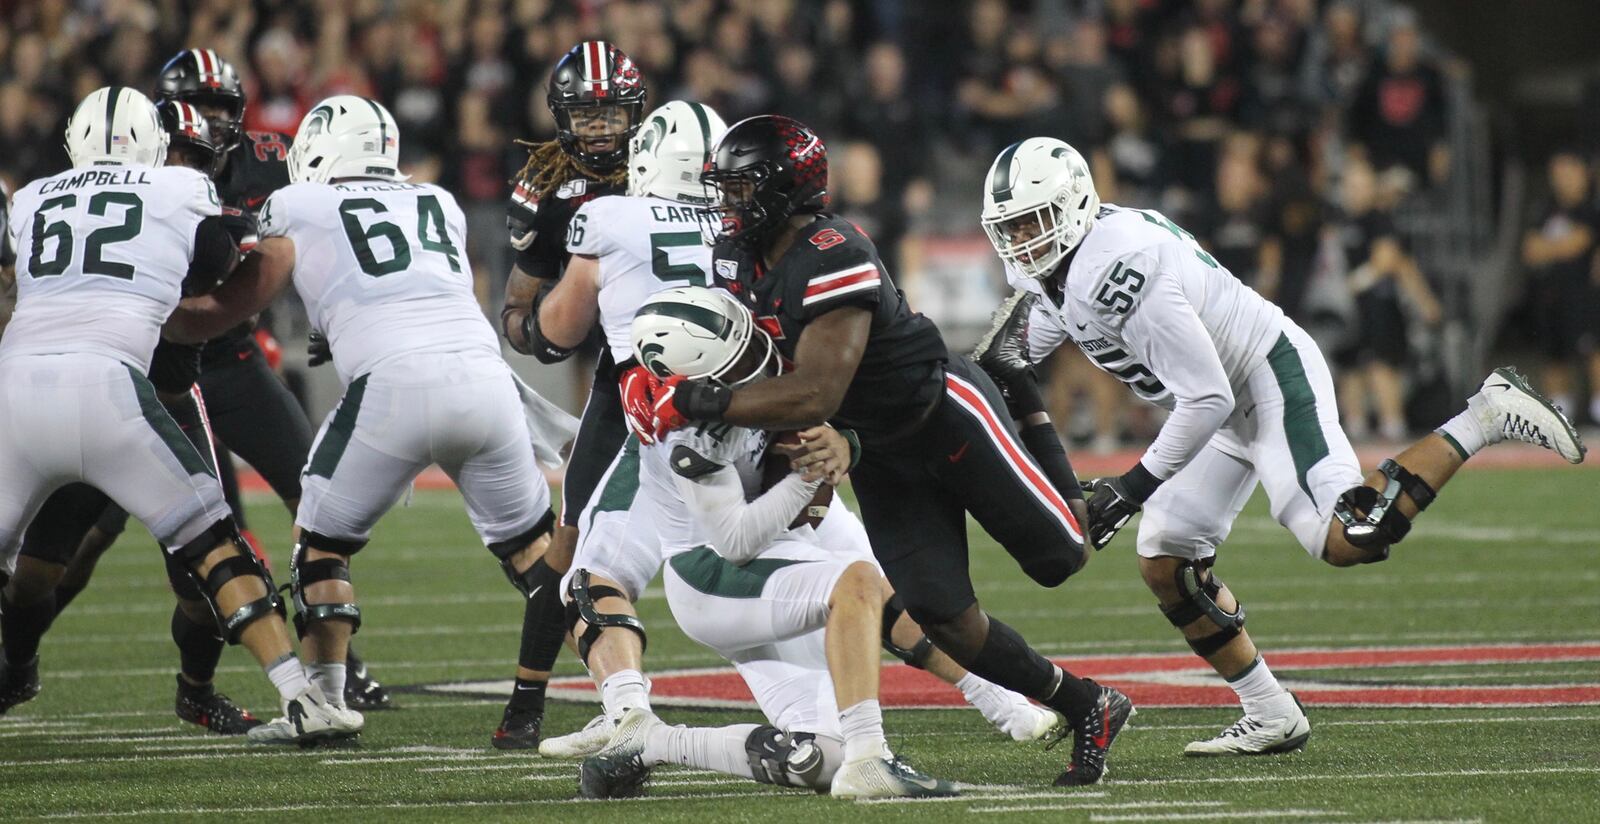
{"x": 1139, "y": 483}
{"x": 855, "y": 446}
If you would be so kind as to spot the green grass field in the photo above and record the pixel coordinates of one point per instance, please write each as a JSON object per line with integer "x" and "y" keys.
{"x": 1504, "y": 556}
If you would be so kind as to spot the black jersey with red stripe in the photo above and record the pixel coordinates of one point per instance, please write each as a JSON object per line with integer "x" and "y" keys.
{"x": 833, "y": 264}
{"x": 254, "y": 169}
{"x": 543, "y": 254}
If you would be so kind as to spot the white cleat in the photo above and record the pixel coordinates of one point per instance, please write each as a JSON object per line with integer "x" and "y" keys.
{"x": 581, "y": 744}
{"x": 1512, "y": 410}
{"x": 886, "y": 777}
{"x": 618, "y": 769}
{"x": 308, "y": 718}
{"x": 1258, "y": 736}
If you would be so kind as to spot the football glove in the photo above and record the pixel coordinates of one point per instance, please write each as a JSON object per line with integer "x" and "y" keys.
{"x": 1114, "y": 501}
{"x": 318, "y": 352}
{"x": 1003, "y": 353}
{"x": 679, "y": 400}
{"x": 519, "y": 224}
{"x": 638, "y": 402}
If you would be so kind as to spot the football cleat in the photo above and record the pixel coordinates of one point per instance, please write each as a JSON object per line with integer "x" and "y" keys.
{"x": 1510, "y": 409}
{"x": 308, "y": 719}
{"x": 211, "y": 709}
{"x": 18, "y": 684}
{"x": 887, "y": 776}
{"x": 518, "y": 730}
{"x": 618, "y": 769}
{"x": 363, "y": 692}
{"x": 1093, "y": 737}
{"x": 1258, "y": 736}
{"x": 581, "y": 744}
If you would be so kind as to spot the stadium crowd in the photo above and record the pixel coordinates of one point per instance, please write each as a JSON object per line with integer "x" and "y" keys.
{"x": 1282, "y": 133}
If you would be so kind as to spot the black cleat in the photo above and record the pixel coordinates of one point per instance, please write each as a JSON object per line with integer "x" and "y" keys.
{"x": 363, "y": 693}
{"x": 519, "y": 730}
{"x": 211, "y": 709}
{"x": 18, "y": 684}
{"x": 1092, "y": 738}
{"x": 613, "y": 775}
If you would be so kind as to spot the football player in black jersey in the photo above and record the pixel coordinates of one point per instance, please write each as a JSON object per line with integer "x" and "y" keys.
{"x": 597, "y": 96}
{"x": 936, "y": 440}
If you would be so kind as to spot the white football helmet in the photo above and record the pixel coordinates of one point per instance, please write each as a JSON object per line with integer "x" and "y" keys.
{"x": 116, "y": 124}
{"x": 346, "y": 136}
{"x": 698, "y": 333}
{"x": 666, "y": 156}
{"x": 1038, "y": 203}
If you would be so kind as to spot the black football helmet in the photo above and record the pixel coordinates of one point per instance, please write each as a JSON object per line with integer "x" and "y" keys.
{"x": 200, "y": 78}
{"x": 599, "y": 77}
{"x": 188, "y": 133}
{"x": 765, "y": 170}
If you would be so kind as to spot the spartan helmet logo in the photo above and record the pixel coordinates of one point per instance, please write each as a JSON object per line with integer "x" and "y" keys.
{"x": 653, "y": 135}
{"x": 649, "y": 355}
{"x": 321, "y": 119}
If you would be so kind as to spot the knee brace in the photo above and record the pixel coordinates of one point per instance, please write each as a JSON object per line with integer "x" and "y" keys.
{"x": 1199, "y": 589}
{"x": 1381, "y": 524}
{"x": 529, "y": 580}
{"x": 785, "y": 759}
{"x": 917, "y": 655}
{"x": 303, "y": 573}
{"x": 580, "y": 605}
{"x": 245, "y": 564}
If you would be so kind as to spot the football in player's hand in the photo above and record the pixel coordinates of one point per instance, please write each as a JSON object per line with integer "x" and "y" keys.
{"x": 775, "y": 465}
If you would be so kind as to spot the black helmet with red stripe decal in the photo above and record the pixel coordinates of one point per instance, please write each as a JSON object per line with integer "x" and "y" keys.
{"x": 765, "y": 170}
{"x": 597, "y": 97}
{"x": 202, "y": 79}
{"x": 189, "y": 140}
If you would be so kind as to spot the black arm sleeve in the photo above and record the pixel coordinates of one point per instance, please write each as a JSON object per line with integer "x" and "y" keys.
{"x": 1042, "y": 443}
{"x": 215, "y": 255}
{"x": 538, "y": 345}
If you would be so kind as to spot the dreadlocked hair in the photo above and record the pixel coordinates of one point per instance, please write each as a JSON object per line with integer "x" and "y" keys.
{"x": 548, "y": 167}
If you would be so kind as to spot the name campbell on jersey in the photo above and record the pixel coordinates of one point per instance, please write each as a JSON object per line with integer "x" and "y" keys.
{"x": 382, "y": 269}
{"x": 119, "y": 240}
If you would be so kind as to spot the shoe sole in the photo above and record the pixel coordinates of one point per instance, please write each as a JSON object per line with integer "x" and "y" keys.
{"x": 513, "y": 743}
{"x": 1282, "y": 747}
{"x": 22, "y": 700}
{"x": 1518, "y": 382}
{"x": 550, "y": 749}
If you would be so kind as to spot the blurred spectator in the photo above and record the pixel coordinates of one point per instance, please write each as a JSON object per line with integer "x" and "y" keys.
{"x": 1236, "y": 226}
{"x": 1398, "y": 114}
{"x": 1559, "y": 250}
{"x": 799, "y": 91}
{"x": 890, "y": 120}
{"x": 1201, "y": 100}
{"x": 1007, "y": 92}
{"x": 1379, "y": 274}
{"x": 1336, "y": 58}
{"x": 1134, "y": 150}
{"x": 277, "y": 101}
{"x": 856, "y": 186}
{"x": 1296, "y": 214}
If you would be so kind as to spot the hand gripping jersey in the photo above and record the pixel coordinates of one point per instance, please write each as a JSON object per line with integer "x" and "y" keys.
{"x": 697, "y": 452}
{"x": 1148, "y": 305}
{"x": 382, "y": 269}
{"x": 831, "y": 265}
{"x": 644, "y": 244}
{"x": 102, "y": 257}
{"x": 254, "y": 170}
{"x": 543, "y": 253}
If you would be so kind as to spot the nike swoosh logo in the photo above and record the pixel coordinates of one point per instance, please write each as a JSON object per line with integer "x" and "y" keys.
{"x": 1103, "y": 740}
{"x": 535, "y": 591}
{"x": 521, "y": 688}
{"x": 925, "y": 783}
{"x": 956, "y": 456}
{"x": 1082, "y": 327}
{"x": 1250, "y": 411}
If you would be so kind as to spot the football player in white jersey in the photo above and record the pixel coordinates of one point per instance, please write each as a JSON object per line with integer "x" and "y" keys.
{"x": 626, "y": 249}
{"x": 378, "y": 263}
{"x": 742, "y": 582}
{"x": 1250, "y": 398}
{"x": 126, "y": 235}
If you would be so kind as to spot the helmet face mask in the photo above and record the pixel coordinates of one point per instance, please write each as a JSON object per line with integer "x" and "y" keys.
{"x": 596, "y": 96}
{"x": 1038, "y": 204}
{"x": 765, "y": 170}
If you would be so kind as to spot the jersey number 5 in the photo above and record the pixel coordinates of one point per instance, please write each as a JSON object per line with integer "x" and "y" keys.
{"x": 430, "y": 221}
{"x": 94, "y": 262}
{"x": 827, "y": 239}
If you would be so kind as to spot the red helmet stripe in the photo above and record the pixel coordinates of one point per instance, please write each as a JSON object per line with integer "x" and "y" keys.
{"x": 595, "y": 57}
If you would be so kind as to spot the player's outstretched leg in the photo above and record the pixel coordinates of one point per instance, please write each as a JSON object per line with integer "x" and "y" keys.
{"x": 527, "y": 565}
{"x": 611, "y": 642}
{"x": 1372, "y": 517}
{"x": 27, "y": 606}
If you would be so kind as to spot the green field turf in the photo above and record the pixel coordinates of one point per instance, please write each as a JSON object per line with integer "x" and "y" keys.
{"x": 1504, "y": 556}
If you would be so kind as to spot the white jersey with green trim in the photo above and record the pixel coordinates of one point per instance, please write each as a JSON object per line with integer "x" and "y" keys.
{"x": 382, "y": 269}
{"x": 102, "y": 254}
{"x": 644, "y": 245}
{"x": 1148, "y": 305}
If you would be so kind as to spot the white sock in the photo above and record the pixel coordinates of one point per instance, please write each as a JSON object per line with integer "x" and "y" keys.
{"x": 329, "y": 677}
{"x": 863, "y": 731}
{"x": 708, "y": 748}
{"x": 288, "y": 676}
{"x": 1258, "y": 689}
{"x": 1470, "y": 430}
{"x": 624, "y": 691}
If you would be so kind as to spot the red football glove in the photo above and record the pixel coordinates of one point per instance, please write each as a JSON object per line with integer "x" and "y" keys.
{"x": 679, "y": 400}
{"x": 638, "y": 402}
{"x": 665, "y": 415}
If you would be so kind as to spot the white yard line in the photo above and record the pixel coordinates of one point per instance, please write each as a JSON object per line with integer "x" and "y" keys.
{"x": 990, "y": 793}
{"x": 1218, "y": 815}
{"x": 397, "y": 805}
{"x": 1384, "y": 776}
{"x": 1066, "y": 802}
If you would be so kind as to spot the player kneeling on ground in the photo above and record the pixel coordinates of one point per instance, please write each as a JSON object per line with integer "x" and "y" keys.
{"x": 376, "y": 261}
{"x": 742, "y": 582}
{"x": 123, "y": 235}
{"x": 1251, "y": 399}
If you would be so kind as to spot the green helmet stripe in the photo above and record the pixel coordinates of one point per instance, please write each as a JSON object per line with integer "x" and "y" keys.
{"x": 111, "y": 113}
{"x": 700, "y": 316}
{"x": 1000, "y": 183}
{"x": 383, "y": 126}
{"x": 705, "y": 126}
